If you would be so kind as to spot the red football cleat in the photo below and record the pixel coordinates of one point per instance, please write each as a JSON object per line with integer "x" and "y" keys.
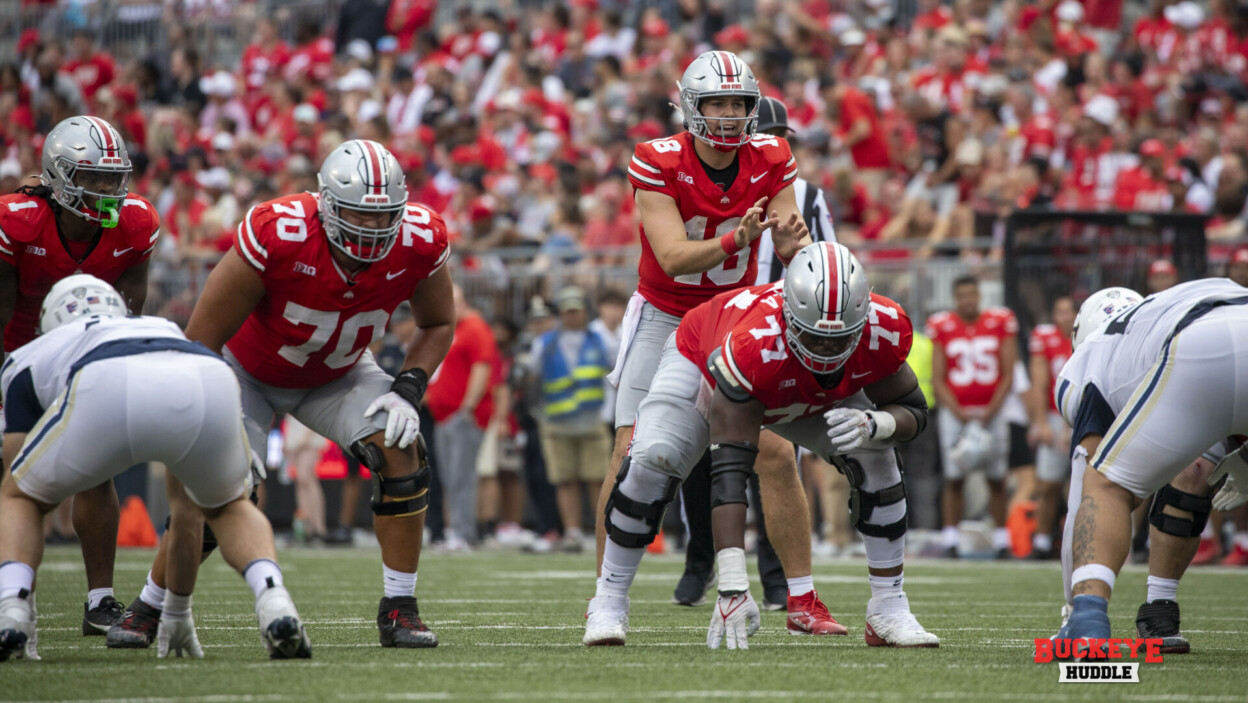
{"x": 1237, "y": 557}
{"x": 809, "y": 616}
{"x": 1207, "y": 553}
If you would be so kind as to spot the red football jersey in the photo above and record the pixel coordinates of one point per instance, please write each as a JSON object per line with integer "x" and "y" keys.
{"x": 972, "y": 352}
{"x": 30, "y": 243}
{"x": 1048, "y": 341}
{"x": 670, "y": 166}
{"x": 313, "y": 323}
{"x": 749, "y": 326}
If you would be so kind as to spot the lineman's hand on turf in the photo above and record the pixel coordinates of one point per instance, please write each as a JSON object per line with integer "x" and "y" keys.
{"x": 404, "y": 422}
{"x": 177, "y": 635}
{"x": 734, "y": 619}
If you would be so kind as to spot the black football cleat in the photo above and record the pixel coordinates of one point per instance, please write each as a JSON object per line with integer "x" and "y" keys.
{"x": 399, "y": 624}
{"x": 137, "y": 629}
{"x": 1160, "y": 619}
{"x": 97, "y": 621}
{"x": 692, "y": 587}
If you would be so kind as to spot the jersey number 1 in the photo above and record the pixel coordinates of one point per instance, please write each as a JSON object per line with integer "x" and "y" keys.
{"x": 324, "y": 325}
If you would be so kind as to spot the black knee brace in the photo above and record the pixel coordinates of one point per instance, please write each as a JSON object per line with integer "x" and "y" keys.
{"x": 1199, "y": 507}
{"x": 649, "y": 513}
{"x": 410, "y": 492}
{"x": 731, "y": 467}
{"x": 863, "y": 503}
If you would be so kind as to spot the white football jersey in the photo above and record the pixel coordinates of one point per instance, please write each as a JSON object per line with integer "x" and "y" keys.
{"x": 51, "y": 357}
{"x": 1116, "y": 357}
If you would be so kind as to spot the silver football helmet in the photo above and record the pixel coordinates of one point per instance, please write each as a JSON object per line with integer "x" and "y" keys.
{"x": 80, "y": 295}
{"x": 826, "y": 302}
{"x": 364, "y": 177}
{"x": 86, "y": 164}
{"x": 717, "y": 74}
{"x": 1097, "y": 310}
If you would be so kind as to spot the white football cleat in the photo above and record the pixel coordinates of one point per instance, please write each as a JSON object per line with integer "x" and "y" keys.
{"x": 281, "y": 631}
{"x": 17, "y": 626}
{"x": 897, "y": 627}
{"x": 606, "y": 622}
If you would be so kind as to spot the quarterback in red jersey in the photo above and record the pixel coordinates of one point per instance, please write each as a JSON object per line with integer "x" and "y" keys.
{"x": 1049, "y": 347}
{"x": 80, "y": 219}
{"x": 820, "y": 361}
{"x": 704, "y": 196}
{"x": 311, "y": 281}
{"x": 973, "y": 357}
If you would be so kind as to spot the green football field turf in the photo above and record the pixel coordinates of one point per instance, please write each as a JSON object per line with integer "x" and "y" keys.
{"x": 510, "y": 628}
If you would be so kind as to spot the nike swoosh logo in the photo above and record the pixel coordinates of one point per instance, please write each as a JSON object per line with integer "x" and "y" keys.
{"x": 756, "y": 179}
{"x": 119, "y": 252}
{"x": 394, "y": 274}
{"x": 860, "y": 375}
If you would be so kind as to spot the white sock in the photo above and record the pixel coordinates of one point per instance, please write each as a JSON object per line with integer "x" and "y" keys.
{"x": 176, "y": 606}
{"x": 95, "y": 595}
{"x": 801, "y": 585}
{"x": 398, "y": 583}
{"x": 619, "y": 566}
{"x": 1043, "y": 541}
{"x": 14, "y": 577}
{"x": 1000, "y": 538}
{"x": 887, "y": 594}
{"x": 573, "y": 533}
{"x": 1162, "y": 589}
{"x": 261, "y": 574}
{"x": 950, "y": 535}
{"x": 152, "y": 594}
{"x": 1241, "y": 540}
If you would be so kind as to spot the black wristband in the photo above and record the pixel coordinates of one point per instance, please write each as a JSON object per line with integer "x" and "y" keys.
{"x": 410, "y": 385}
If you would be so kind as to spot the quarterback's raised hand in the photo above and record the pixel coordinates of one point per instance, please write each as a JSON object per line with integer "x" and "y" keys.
{"x": 177, "y": 635}
{"x": 790, "y": 235}
{"x": 404, "y": 422}
{"x": 753, "y": 225}
{"x": 733, "y": 621}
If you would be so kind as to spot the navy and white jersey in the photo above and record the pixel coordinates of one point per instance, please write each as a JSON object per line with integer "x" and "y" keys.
{"x": 1117, "y": 356}
{"x": 37, "y": 373}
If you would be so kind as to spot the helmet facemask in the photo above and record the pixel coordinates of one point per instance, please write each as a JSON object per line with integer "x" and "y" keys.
{"x": 825, "y": 348}
{"x": 366, "y": 244}
{"x": 697, "y": 123}
{"x": 94, "y": 193}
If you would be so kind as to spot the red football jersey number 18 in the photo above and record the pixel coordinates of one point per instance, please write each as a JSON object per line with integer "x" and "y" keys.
{"x": 733, "y": 268}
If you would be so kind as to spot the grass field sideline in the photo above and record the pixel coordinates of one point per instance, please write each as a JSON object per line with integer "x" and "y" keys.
{"x": 510, "y": 628}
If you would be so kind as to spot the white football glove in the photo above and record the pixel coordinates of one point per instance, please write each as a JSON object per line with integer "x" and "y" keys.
{"x": 404, "y": 422}
{"x": 734, "y": 619}
{"x": 851, "y": 429}
{"x": 1233, "y": 493}
{"x": 177, "y": 634}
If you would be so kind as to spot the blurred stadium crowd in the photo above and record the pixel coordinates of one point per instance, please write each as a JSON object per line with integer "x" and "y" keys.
{"x": 516, "y": 120}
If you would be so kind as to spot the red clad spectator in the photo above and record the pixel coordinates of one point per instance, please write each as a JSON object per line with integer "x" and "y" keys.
{"x": 1144, "y": 187}
{"x": 945, "y": 82}
{"x": 406, "y": 19}
{"x": 858, "y": 126}
{"x": 313, "y": 55}
{"x": 1150, "y": 28}
{"x": 265, "y": 56}
{"x": 932, "y": 15}
{"x": 1093, "y": 173}
{"x": 187, "y": 211}
{"x": 90, "y": 69}
{"x": 473, "y": 344}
